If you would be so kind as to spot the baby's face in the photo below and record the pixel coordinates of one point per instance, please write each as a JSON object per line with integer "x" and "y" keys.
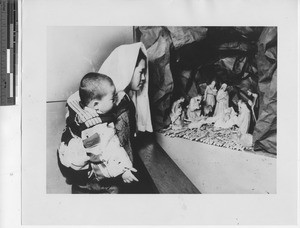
{"x": 106, "y": 103}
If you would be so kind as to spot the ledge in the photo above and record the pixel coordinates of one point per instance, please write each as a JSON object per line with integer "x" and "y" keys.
{"x": 220, "y": 170}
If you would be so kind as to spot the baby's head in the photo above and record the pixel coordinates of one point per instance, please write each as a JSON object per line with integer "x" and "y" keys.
{"x": 97, "y": 91}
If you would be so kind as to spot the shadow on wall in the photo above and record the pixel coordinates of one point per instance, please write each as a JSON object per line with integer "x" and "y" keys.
{"x": 71, "y": 53}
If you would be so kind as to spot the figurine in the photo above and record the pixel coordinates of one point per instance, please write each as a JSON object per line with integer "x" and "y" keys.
{"x": 229, "y": 118}
{"x": 243, "y": 118}
{"x": 194, "y": 109}
{"x": 210, "y": 93}
{"x": 177, "y": 114}
{"x": 222, "y": 100}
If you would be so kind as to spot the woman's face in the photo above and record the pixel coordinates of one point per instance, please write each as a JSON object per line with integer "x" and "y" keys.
{"x": 138, "y": 80}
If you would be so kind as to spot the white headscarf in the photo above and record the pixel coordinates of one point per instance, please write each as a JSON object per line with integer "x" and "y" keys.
{"x": 119, "y": 66}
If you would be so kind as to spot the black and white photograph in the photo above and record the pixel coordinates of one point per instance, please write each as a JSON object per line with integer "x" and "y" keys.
{"x": 120, "y": 112}
{"x": 158, "y": 109}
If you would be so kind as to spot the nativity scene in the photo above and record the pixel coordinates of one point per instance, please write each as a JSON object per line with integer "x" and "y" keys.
{"x": 209, "y": 84}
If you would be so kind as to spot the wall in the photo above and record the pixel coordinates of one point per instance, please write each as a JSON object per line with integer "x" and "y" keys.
{"x": 75, "y": 51}
{"x": 71, "y": 53}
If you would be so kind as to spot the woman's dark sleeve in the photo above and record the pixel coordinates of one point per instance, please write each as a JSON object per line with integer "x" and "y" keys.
{"x": 123, "y": 131}
{"x": 125, "y": 124}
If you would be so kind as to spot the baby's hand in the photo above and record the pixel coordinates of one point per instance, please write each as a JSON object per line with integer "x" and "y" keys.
{"x": 128, "y": 177}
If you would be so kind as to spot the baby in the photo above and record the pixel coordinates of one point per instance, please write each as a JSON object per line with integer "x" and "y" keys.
{"x": 96, "y": 148}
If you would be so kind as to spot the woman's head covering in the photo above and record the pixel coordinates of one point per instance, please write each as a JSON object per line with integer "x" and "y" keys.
{"x": 119, "y": 66}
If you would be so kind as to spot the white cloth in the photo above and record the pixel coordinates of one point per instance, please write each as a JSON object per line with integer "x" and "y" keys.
{"x": 119, "y": 66}
{"x": 73, "y": 155}
{"x": 114, "y": 158}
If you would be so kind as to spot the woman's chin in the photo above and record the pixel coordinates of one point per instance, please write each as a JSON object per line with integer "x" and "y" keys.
{"x": 137, "y": 88}
{"x": 141, "y": 86}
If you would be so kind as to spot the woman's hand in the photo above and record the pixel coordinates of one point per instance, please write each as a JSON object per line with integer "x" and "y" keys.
{"x": 128, "y": 177}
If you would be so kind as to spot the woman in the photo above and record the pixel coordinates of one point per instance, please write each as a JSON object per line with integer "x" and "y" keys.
{"x": 127, "y": 67}
{"x": 222, "y": 101}
{"x": 210, "y": 93}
